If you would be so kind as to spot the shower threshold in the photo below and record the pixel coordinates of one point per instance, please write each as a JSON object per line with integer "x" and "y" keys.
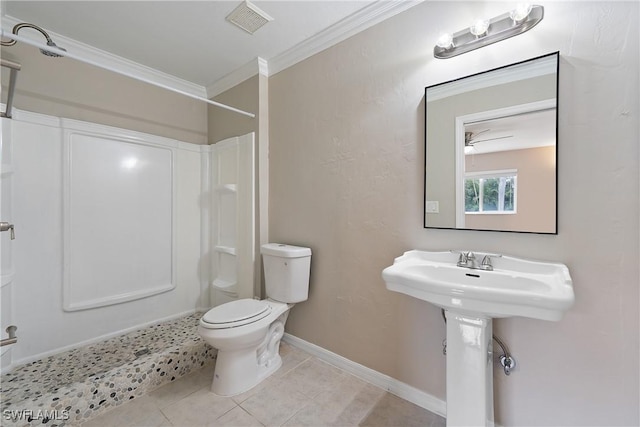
{"x": 74, "y": 386}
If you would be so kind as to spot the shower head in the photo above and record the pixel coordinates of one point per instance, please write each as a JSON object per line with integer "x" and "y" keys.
{"x": 50, "y": 42}
{"x": 52, "y": 54}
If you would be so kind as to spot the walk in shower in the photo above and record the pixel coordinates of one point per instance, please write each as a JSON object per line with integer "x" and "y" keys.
{"x": 116, "y": 231}
{"x": 121, "y": 239}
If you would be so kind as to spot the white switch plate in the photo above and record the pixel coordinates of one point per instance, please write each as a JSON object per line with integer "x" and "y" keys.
{"x": 433, "y": 206}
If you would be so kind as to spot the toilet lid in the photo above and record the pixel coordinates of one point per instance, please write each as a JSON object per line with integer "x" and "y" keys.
{"x": 236, "y": 313}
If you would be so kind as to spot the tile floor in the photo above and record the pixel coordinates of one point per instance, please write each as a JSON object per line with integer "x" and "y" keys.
{"x": 305, "y": 391}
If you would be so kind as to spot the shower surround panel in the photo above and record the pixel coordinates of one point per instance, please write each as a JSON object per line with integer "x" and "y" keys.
{"x": 68, "y": 218}
{"x": 118, "y": 213}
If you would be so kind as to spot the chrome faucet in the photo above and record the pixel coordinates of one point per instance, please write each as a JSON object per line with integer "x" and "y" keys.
{"x": 472, "y": 262}
{"x": 469, "y": 260}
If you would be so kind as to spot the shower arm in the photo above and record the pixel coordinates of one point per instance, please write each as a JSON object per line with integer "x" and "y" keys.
{"x": 55, "y": 50}
{"x": 18, "y": 27}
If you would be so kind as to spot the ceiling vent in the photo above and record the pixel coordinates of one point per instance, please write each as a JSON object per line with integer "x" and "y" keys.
{"x": 248, "y": 17}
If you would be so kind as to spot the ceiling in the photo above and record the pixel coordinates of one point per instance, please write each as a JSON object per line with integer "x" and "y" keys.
{"x": 191, "y": 40}
{"x": 518, "y": 132}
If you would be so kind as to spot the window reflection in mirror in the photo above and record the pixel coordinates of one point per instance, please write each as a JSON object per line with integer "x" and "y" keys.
{"x": 490, "y": 150}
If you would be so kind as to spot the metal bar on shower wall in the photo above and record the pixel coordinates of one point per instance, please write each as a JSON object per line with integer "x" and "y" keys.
{"x": 14, "y": 67}
{"x": 77, "y": 57}
{"x": 10, "y": 64}
{"x": 11, "y": 331}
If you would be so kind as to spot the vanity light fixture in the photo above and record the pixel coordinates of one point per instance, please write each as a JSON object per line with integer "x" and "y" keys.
{"x": 484, "y": 32}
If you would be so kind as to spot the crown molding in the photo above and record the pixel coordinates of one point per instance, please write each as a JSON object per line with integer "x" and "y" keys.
{"x": 248, "y": 70}
{"x": 108, "y": 59}
{"x": 263, "y": 67}
{"x": 342, "y": 30}
{"x": 347, "y": 27}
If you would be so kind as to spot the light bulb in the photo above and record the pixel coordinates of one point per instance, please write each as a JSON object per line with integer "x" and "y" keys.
{"x": 479, "y": 28}
{"x": 445, "y": 41}
{"x": 520, "y": 13}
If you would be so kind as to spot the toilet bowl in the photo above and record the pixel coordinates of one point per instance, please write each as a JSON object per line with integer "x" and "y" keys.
{"x": 247, "y": 332}
{"x": 247, "y": 342}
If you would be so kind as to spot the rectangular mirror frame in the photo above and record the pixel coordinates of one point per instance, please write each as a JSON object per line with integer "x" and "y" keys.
{"x": 542, "y": 105}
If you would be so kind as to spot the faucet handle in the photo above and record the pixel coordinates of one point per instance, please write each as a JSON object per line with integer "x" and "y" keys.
{"x": 462, "y": 258}
{"x": 486, "y": 261}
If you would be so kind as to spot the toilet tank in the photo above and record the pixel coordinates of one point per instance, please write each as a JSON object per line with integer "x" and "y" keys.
{"x": 286, "y": 272}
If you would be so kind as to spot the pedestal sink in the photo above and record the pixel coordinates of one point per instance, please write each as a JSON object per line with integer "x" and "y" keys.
{"x": 472, "y": 297}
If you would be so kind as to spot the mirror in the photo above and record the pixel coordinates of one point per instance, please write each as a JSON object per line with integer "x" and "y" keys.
{"x": 491, "y": 149}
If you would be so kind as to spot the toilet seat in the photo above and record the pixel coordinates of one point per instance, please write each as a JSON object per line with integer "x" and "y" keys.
{"x": 236, "y": 313}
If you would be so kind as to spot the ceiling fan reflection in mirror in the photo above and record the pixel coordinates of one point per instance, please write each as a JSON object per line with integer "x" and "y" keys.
{"x": 470, "y": 137}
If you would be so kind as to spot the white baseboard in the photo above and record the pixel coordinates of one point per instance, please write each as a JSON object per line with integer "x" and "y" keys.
{"x": 393, "y": 386}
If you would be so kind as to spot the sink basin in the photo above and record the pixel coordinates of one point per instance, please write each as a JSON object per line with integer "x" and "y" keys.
{"x": 515, "y": 287}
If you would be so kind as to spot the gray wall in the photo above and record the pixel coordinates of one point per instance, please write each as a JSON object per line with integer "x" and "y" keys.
{"x": 63, "y": 87}
{"x": 346, "y": 159}
{"x": 223, "y": 124}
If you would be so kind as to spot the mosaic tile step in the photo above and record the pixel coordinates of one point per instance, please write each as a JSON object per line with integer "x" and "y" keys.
{"x": 73, "y": 386}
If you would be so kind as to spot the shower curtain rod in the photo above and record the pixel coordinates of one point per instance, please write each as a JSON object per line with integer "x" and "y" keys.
{"x": 115, "y": 70}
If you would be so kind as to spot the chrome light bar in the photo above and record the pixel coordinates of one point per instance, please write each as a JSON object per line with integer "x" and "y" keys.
{"x": 483, "y": 33}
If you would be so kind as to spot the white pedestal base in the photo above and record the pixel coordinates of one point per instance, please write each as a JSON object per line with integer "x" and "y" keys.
{"x": 469, "y": 370}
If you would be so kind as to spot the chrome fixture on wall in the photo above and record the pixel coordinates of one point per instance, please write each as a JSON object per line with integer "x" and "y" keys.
{"x": 50, "y": 42}
{"x": 484, "y": 32}
{"x": 5, "y": 226}
{"x": 11, "y": 331}
{"x": 15, "y": 67}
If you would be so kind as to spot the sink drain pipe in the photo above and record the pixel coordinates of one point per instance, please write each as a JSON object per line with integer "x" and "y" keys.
{"x": 506, "y": 360}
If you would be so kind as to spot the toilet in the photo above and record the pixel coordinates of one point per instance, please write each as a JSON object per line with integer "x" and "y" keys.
{"x": 247, "y": 332}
